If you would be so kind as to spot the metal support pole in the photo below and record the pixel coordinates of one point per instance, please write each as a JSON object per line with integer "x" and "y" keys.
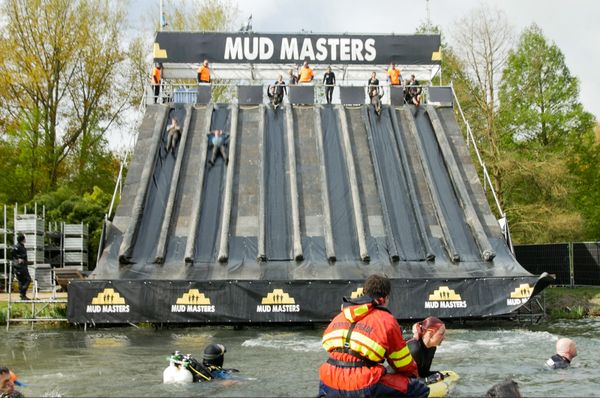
{"x": 571, "y": 266}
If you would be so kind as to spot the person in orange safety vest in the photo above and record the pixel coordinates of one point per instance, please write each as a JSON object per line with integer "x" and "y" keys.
{"x": 204, "y": 72}
{"x": 305, "y": 74}
{"x": 394, "y": 76}
{"x": 156, "y": 80}
{"x": 359, "y": 340}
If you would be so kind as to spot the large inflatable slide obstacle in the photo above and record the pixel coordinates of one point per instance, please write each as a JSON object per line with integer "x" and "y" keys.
{"x": 314, "y": 197}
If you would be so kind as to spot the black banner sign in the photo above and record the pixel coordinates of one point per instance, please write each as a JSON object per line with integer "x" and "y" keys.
{"x": 122, "y": 301}
{"x": 190, "y": 47}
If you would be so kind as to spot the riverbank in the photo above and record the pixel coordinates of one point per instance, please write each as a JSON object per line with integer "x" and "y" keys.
{"x": 572, "y": 302}
{"x": 42, "y": 308}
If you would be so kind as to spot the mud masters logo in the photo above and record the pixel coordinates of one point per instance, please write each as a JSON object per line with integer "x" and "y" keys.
{"x": 107, "y": 300}
{"x": 520, "y": 295}
{"x": 278, "y": 301}
{"x": 357, "y": 293}
{"x": 444, "y": 297}
{"x": 193, "y": 301}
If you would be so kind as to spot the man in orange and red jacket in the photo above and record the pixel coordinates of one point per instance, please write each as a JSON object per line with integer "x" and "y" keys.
{"x": 358, "y": 341}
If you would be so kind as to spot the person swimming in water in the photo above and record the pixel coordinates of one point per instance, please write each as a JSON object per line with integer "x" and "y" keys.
{"x": 8, "y": 380}
{"x": 427, "y": 336}
{"x": 566, "y": 350}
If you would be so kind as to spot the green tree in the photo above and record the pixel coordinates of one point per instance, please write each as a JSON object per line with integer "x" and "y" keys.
{"x": 584, "y": 161}
{"x": 547, "y": 140}
{"x": 539, "y": 95}
{"x": 60, "y": 75}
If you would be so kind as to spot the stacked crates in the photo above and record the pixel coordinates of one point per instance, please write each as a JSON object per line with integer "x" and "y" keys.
{"x": 75, "y": 243}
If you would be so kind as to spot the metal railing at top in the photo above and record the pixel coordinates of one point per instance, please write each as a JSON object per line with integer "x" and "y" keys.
{"x": 174, "y": 92}
{"x": 487, "y": 180}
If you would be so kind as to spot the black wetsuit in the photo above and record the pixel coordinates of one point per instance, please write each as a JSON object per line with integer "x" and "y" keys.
{"x": 329, "y": 81}
{"x": 279, "y": 89}
{"x": 19, "y": 255}
{"x": 557, "y": 361}
{"x": 422, "y": 355}
{"x": 373, "y": 85}
{"x": 412, "y": 91}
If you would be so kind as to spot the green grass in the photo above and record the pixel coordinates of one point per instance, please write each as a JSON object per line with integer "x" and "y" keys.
{"x": 23, "y": 310}
{"x": 572, "y": 303}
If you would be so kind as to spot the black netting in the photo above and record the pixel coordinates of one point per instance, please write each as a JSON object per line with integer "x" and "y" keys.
{"x": 586, "y": 263}
{"x": 550, "y": 258}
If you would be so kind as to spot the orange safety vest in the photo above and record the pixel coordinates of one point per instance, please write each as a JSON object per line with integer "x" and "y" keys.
{"x": 364, "y": 332}
{"x": 204, "y": 74}
{"x": 306, "y": 75}
{"x": 156, "y": 76}
{"x": 394, "y": 75}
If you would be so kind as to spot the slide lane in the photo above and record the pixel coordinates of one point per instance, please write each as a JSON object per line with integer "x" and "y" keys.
{"x": 453, "y": 214}
{"x": 144, "y": 248}
{"x": 394, "y": 189}
{"x": 278, "y": 222}
{"x": 206, "y": 246}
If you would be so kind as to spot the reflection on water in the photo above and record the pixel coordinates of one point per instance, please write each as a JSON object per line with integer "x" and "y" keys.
{"x": 284, "y": 361}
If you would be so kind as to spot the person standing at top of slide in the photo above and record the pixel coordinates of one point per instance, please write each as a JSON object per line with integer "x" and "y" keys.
{"x": 329, "y": 82}
{"x": 204, "y": 72}
{"x": 305, "y": 74}
{"x": 394, "y": 75}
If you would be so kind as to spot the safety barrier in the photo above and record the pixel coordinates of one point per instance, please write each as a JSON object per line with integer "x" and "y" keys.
{"x": 313, "y": 93}
{"x": 573, "y": 263}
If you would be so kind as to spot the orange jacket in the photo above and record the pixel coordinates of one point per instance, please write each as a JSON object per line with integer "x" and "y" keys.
{"x": 375, "y": 336}
{"x": 394, "y": 75}
{"x": 306, "y": 75}
{"x": 203, "y": 74}
{"x": 156, "y": 75}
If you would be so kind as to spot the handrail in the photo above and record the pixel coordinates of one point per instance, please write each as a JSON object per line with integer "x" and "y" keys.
{"x": 134, "y": 129}
{"x": 486, "y": 175}
{"x": 170, "y": 89}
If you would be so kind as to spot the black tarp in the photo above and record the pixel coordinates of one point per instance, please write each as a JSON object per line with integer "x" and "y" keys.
{"x": 586, "y": 263}
{"x": 394, "y": 188}
{"x": 144, "y": 247}
{"x": 551, "y": 258}
{"x": 288, "y": 301}
{"x": 442, "y": 185}
{"x": 342, "y": 216}
{"x": 276, "y": 48}
{"x": 212, "y": 198}
{"x": 277, "y": 189}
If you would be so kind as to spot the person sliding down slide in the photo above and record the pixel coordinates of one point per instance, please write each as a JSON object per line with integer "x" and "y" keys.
{"x": 218, "y": 139}
{"x": 375, "y": 93}
{"x": 276, "y": 92}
